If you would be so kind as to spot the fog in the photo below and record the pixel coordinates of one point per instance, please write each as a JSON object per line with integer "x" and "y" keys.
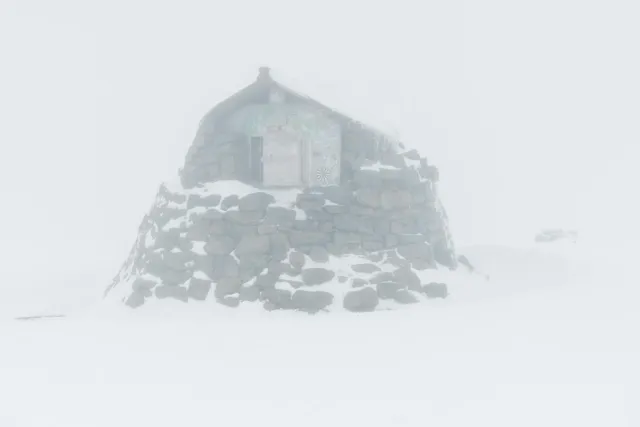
{"x": 529, "y": 109}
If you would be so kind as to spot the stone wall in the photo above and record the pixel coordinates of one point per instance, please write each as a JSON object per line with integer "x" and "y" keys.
{"x": 386, "y": 222}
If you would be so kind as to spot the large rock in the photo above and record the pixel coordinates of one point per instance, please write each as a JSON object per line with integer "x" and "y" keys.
{"x": 249, "y": 293}
{"x": 135, "y": 300}
{"x": 266, "y": 281}
{"x": 297, "y": 259}
{"x": 308, "y": 238}
{"x": 198, "y": 289}
{"x": 276, "y": 299}
{"x": 255, "y": 202}
{"x": 171, "y": 291}
{"x": 244, "y": 217}
{"x": 227, "y": 286}
{"x": 229, "y": 202}
{"x": 208, "y": 201}
{"x": 368, "y": 197}
{"x": 365, "y": 268}
{"x": 436, "y": 290}
{"x": 177, "y": 260}
{"x": 253, "y": 245}
{"x": 220, "y": 245}
{"x": 308, "y": 201}
{"x": 279, "y": 244}
{"x": 223, "y": 266}
{"x": 279, "y": 215}
{"x": 311, "y": 301}
{"x": 319, "y": 254}
{"x": 396, "y": 199}
{"x": 317, "y": 276}
{"x": 141, "y": 284}
{"x": 408, "y": 277}
{"x": 361, "y": 300}
{"x": 388, "y": 290}
{"x": 403, "y": 296}
{"x": 416, "y": 251}
{"x": 346, "y": 222}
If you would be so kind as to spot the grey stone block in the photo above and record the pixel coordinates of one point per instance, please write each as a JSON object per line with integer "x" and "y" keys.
{"x": 436, "y": 290}
{"x": 279, "y": 215}
{"x": 209, "y": 201}
{"x": 387, "y": 290}
{"x": 393, "y": 200}
{"x": 220, "y": 245}
{"x": 368, "y": 197}
{"x": 403, "y": 296}
{"x": 232, "y": 302}
{"x": 141, "y": 284}
{"x": 249, "y": 293}
{"x": 253, "y": 245}
{"x": 279, "y": 244}
{"x": 357, "y": 282}
{"x": 266, "y": 281}
{"x": 297, "y": 259}
{"x": 317, "y": 276}
{"x": 407, "y": 277}
{"x": 276, "y": 299}
{"x": 169, "y": 291}
{"x": 229, "y": 202}
{"x": 361, "y": 300}
{"x": 244, "y": 217}
{"x": 365, "y": 268}
{"x": 227, "y": 286}
{"x": 308, "y": 238}
{"x": 198, "y": 289}
{"x": 255, "y": 202}
{"x": 416, "y": 251}
{"x": 319, "y": 254}
{"x": 135, "y": 300}
{"x": 311, "y": 301}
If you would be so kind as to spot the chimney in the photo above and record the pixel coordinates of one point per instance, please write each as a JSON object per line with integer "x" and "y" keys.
{"x": 264, "y": 74}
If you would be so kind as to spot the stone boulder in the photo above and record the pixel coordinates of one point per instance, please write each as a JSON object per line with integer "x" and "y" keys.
{"x": 317, "y": 276}
{"x": 252, "y": 245}
{"x": 388, "y": 290}
{"x": 220, "y": 245}
{"x": 276, "y": 299}
{"x": 255, "y": 202}
{"x": 171, "y": 291}
{"x": 365, "y": 268}
{"x": 311, "y": 301}
{"x": 198, "y": 289}
{"x": 436, "y": 290}
{"x": 361, "y": 300}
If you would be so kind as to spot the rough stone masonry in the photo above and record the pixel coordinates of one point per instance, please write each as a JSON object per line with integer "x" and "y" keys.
{"x": 371, "y": 241}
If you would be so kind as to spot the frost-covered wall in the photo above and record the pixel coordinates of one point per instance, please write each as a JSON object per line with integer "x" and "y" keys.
{"x": 221, "y": 150}
{"x": 318, "y": 134}
{"x": 378, "y": 239}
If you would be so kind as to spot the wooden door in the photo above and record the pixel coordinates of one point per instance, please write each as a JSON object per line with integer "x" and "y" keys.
{"x": 282, "y": 160}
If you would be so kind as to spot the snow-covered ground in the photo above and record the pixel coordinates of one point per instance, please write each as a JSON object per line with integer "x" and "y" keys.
{"x": 549, "y": 340}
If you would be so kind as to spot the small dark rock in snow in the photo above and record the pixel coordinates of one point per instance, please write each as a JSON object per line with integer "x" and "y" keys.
{"x": 436, "y": 290}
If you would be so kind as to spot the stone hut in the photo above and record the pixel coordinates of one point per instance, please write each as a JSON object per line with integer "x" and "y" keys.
{"x": 288, "y": 203}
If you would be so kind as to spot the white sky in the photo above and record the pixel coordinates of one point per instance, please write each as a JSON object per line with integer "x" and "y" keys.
{"x": 529, "y": 108}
